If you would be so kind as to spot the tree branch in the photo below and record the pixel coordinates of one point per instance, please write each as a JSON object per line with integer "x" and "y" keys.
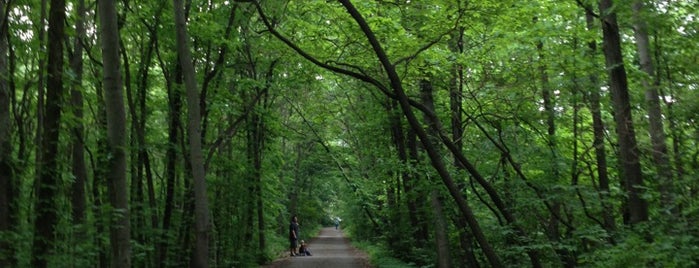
{"x": 587, "y": 8}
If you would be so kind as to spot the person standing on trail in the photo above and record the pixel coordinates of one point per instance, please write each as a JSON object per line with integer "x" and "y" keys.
{"x": 293, "y": 235}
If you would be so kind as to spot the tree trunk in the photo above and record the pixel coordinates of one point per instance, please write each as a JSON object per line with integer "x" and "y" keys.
{"x": 99, "y": 181}
{"x": 140, "y": 119}
{"x": 7, "y": 173}
{"x": 456, "y": 99}
{"x": 655, "y": 116}
{"x": 637, "y": 207}
{"x": 403, "y": 145}
{"x": 440, "y": 232}
{"x": 79, "y": 168}
{"x": 119, "y": 229}
{"x": 49, "y": 172}
{"x": 41, "y": 88}
{"x": 415, "y": 203}
{"x": 439, "y": 220}
{"x": 599, "y": 135}
{"x": 171, "y": 159}
{"x": 202, "y": 226}
{"x": 457, "y": 133}
{"x": 553, "y": 228}
{"x": 255, "y": 147}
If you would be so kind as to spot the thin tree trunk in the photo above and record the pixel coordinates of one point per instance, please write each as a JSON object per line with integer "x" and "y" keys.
{"x": 202, "y": 226}
{"x": 553, "y": 231}
{"x": 41, "y": 88}
{"x": 418, "y": 215}
{"x": 254, "y": 150}
{"x": 655, "y": 117}
{"x": 7, "y": 172}
{"x": 79, "y": 168}
{"x": 260, "y": 144}
{"x": 440, "y": 232}
{"x": 78, "y": 165}
{"x": 401, "y": 143}
{"x": 457, "y": 134}
{"x": 140, "y": 125}
{"x": 171, "y": 158}
{"x": 439, "y": 220}
{"x": 599, "y": 134}
{"x": 49, "y": 175}
{"x": 628, "y": 148}
{"x": 100, "y": 179}
{"x": 120, "y": 228}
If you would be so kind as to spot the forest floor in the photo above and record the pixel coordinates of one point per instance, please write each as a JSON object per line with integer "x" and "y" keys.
{"x": 330, "y": 249}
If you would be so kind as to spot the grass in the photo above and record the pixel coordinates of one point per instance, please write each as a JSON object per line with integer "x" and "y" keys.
{"x": 380, "y": 257}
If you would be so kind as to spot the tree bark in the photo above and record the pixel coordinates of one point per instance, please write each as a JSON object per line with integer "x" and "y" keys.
{"x": 119, "y": 229}
{"x": 79, "y": 168}
{"x": 7, "y": 173}
{"x": 41, "y": 88}
{"x": 655, "y": 116}
{"x": 202, "y": 226}
{"x": 440, "y": 232}
{"x": 637, "y": 207}
{"x": 599, "y": 133}
{"x": 415, "y": 204}
{"x": 99, "y": 181}
{"x": 440, "y": 224}
{"x": 171, "y": 159}
{"x": 140, "y": 119}
{"x": 401, "y": 142}
{"x": 49, "y": 172}
{"x": 457, "y": 133}
{"x": 255, "y": 149}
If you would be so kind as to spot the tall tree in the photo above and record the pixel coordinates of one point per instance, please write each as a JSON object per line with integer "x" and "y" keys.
{"x": 41, "y": 86}
{"x": 7, "y": 177}
{"x": 598, "y": 132}
{"x": 650, "y": 83}
{"x": 49, "y": 171}
{"x": 637, "y": 207}
{"x": 200, "y": 256}
{"x": 440, "y": 224}
{"x": 120, "y": 227}
{"x": 171, "y": 157}
{"x": 79, "y": 169}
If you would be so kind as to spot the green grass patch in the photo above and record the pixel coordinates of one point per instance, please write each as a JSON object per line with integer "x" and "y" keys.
{"x": 380, "y": 257}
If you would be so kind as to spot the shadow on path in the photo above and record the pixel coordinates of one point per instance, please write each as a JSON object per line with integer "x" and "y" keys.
{"x": 330, "y": 249}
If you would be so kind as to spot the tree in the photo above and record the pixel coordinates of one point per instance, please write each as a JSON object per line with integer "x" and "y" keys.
{"x": 49, "y": 169}
{"x": 655, "y": 128}
{"x": 79, "y": 168}
{"x": 120, "y": 227}
{"x": 441, "y": 241}
{"x": 628, "y": 148}
{"x": 599, "y": 133}
{"x": 7, "y": 177}
{"x": 470, "y": 104}
{"x": 202, "y": 228}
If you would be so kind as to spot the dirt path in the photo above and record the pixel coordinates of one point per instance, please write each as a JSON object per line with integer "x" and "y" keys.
{"x": 329, "y": 249}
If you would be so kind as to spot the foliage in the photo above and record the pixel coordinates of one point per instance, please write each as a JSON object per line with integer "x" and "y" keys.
{"x": 323, "y": 139}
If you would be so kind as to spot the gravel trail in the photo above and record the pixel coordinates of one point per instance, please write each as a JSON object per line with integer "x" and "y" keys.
{"x": 330, "y": 249}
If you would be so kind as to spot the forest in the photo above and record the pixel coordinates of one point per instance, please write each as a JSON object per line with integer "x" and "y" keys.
{"x": 443, "y": 133}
